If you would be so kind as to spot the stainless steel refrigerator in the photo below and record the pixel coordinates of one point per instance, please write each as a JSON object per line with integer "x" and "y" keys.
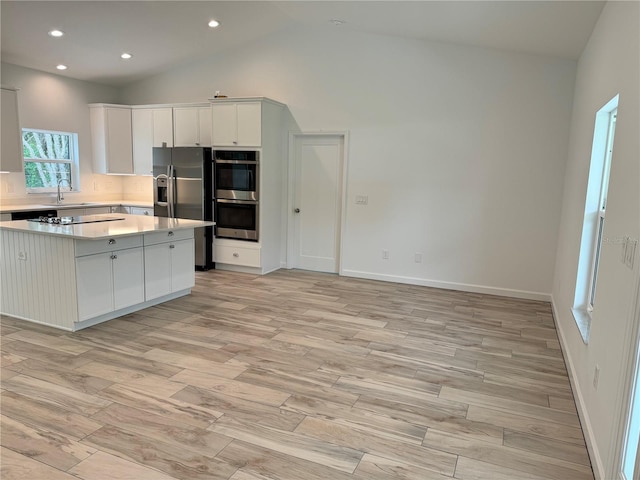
{"x": 182, "y": 188}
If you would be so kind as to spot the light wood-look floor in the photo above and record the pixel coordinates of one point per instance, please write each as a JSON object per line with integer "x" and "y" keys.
{"x": 294, "y": 375}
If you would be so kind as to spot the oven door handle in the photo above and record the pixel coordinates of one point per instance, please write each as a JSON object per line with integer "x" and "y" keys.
{"x": 240, "y": 202}
{"x": 237, "y": 162}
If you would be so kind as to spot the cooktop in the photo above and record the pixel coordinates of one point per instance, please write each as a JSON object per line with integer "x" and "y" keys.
{"x": 75, "y": 220}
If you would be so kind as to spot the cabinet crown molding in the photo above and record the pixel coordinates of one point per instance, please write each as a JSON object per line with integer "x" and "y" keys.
{"x": 151, "y": 105}
{"x": 245, "y": 99}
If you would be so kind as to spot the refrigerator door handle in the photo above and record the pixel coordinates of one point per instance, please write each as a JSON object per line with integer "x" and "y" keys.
{"x": 171, "y": 182}
{"x": 169, "y": 192}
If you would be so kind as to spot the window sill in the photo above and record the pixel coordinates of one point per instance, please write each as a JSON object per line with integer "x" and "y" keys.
{"x": 583, "y": 322}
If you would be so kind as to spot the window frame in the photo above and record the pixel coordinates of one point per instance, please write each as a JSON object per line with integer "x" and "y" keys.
{"x": 602, "y": 210}
{"x": 593, "y": 236}
{"x": 73, "y": 162}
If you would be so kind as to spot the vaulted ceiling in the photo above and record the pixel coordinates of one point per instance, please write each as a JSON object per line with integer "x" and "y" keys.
{"x": 163, "y": 34}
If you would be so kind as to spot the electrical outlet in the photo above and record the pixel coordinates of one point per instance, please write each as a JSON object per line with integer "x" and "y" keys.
{"x": 596, "y": 376}
{"x": 385, "y": 254}
{"x": 418, "y": 258}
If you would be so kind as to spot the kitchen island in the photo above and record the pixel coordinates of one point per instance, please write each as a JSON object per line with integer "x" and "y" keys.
{"x": 73, "y": 276}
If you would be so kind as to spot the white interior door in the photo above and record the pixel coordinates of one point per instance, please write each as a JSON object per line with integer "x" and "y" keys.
{"x": 317, "y": 201}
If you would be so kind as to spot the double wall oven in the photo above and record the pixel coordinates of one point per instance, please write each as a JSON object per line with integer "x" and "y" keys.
{"x": 236, "y": 194}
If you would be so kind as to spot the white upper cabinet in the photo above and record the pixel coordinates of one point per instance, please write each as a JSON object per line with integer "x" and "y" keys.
{"x": 11, "y": 145}
{"x": 151, "y": 127}
{"x": 163, "y": 127}
{"x": 112, "y": 139}
{"x": 192, "y": 126}
{"x": 236, "y": 123}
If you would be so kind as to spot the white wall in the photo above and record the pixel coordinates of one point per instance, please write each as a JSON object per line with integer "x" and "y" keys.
{"x": 608, "y": 66}
{"x": 54, "y": 102}
{"x": 461, "y": 150}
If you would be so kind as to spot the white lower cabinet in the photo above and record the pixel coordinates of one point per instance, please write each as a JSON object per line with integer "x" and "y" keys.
{"x": 136, "y": 210}
{"x": 96, "y": 210}
{"x": 74, "y": 283}
{"x": 236, "y": 254}
{"x": 71, "y": 212}
{"x": 141, "y": 211}
{"x": 169, "y": 259}
{"x": 77, "y": 212}
{"x": 109, "y": 277}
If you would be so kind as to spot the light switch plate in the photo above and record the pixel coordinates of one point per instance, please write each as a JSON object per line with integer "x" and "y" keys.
{"x": 630, "y": 252}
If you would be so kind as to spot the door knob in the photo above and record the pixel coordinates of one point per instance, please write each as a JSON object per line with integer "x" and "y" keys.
{"x": 297, "y": 210}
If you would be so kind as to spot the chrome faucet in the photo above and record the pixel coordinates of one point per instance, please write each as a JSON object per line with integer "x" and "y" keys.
{"x": 60, "y": 196}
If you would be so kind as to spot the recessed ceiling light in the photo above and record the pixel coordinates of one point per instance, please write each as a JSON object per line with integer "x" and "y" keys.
{"x": 213, "y": 23}
{"x": 56, "y": 33}
{"x": 126, "y": 56}
{"x": 61, "y": 67}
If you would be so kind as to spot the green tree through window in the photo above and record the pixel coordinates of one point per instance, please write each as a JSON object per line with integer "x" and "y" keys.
{"x": 49, "y": 159}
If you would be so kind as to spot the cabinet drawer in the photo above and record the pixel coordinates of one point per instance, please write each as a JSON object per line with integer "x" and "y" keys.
{"x": 89, "y": 247}
{"x": 167, "y": 236}
{"x": 248, "y": 257}
{"x": 141, "y": 211}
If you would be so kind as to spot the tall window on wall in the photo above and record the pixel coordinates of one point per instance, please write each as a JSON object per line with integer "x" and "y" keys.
{"x": 594, "y": 215}
{"x": 50, "y": 160}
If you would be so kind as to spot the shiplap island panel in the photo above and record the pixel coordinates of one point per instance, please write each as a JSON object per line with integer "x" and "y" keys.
{"x": 75, "y": 276}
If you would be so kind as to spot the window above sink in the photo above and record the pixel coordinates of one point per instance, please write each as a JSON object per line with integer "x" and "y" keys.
{"x": 50, "y": 161}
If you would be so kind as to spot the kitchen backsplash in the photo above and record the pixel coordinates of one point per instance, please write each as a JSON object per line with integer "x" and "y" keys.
{"x": 93, "y": 188}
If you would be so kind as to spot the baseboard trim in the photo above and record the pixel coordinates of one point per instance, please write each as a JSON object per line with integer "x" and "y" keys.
{"x": 503, "y": 292}
{"x": 583, "y": 414}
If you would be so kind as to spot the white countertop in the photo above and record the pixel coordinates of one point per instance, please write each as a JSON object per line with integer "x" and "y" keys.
{"x": 131, "y": 225}
{"x": 5, "y": 208}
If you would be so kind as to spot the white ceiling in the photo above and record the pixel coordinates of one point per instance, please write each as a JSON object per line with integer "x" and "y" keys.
{"x": 163, "y": 34}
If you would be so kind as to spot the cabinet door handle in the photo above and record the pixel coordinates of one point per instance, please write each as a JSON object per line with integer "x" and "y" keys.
{"x": 112, "y": 241}
{"x": 236, "y": 255}
{"x": 235, "y": 143}
{"x": 170, "y": 234}
{"x": 113, "y": 257}
{"x": 172, "y": 246}
{"x": 146, "y": 212}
